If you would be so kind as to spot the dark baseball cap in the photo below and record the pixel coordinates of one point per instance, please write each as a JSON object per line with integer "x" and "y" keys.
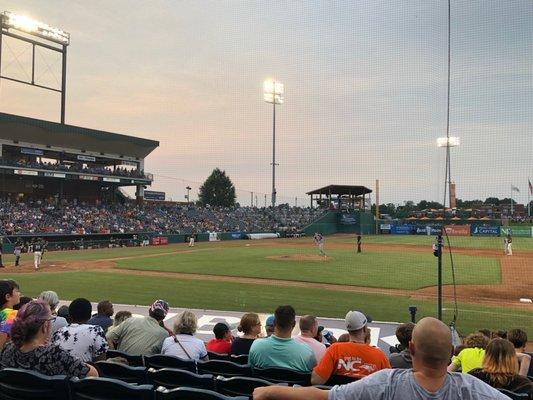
{"x": 220, "y": 329}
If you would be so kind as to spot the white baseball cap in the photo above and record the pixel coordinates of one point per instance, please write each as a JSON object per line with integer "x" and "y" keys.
{"x": 355, "y": 320}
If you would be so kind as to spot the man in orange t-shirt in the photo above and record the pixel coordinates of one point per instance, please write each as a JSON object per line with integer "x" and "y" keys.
{"x": 353, "y": 359}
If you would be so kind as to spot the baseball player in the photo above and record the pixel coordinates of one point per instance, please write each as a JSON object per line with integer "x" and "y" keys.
{"x": 17, "y": 251}
{"x": 191, "y": 240}
{"x": 359, "y": 243}
{"x": 509, "y": 244}
{"x": 38, "y": 249}
{"x": 319, "y": 241}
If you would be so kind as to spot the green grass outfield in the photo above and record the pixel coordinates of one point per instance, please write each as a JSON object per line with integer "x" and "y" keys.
{"x": 401, "y": 270}
{"x": 142, "y": 290}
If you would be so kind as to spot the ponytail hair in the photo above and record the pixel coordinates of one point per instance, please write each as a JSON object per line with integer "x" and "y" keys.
{"x": 29, "y": 320}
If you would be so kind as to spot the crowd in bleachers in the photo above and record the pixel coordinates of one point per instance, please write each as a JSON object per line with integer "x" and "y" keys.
{"x": 80, "y": 218}
{"x": 74, "y": 167}
{"x": 35, "y": 337}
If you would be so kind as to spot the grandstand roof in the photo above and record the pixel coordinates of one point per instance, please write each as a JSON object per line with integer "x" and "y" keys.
{"x": 342, "y": 190}
{"x": 24, "y": 129}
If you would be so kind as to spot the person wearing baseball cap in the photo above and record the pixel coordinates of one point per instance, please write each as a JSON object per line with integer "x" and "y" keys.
{"x": 141, "y": 336}
{"x": 269, "y": 325}
{"x": 353, "y": 359}
{"x": 223, "y": 337}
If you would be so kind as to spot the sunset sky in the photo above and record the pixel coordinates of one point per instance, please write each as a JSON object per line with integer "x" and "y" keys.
{"x": 365, "y": 85}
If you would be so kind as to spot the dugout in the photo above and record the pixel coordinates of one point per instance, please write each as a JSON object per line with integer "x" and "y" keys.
{"x": 42, "y": 160}
{"x": 347, "y": 210}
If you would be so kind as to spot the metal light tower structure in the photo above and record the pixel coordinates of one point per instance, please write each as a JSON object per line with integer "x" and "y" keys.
{"x": 273, "y": 93}
{"x": 188, "y": 188}
{"x": 51, "y": 38}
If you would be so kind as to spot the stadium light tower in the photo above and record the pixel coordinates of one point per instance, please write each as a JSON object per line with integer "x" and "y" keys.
{"x": 449, "y": 142}
{"x": 273, "y": 93}
{"x": 53, "y": 39}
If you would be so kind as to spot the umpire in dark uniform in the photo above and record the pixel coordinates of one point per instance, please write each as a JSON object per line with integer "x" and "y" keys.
{"x": 359, "y": 243}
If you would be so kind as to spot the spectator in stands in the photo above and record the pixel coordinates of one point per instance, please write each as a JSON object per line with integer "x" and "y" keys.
{"x": 250, "y": 325}
{"x": 519, "y": 340}
{"x": 30, "y": 348}
{"x": 280, "y": 349}
{"x": 308, "y": 331}
{"x": 355, "y": 358}
{"x": 23, "y": 300}
{"x": 103, "y": 317}
{"x": 472, "y": 356}
{"x": 52, "y": 299}
{"x": 9, "y": 297}
{"x": 500, "y": 368}
{"x": 222, "y": 342}
{"x": 63, "y": 313}
{"x": 403, "y": 358}
{"x": 141, "y": 336}
{"x": 345, "y": 337}
{"x": 431, "y": 348}
{"x": 120, "y": 317}
{"x": 183, "y": 344}
{"x": 84, "y": 341}
{"x": 269, "y": 325}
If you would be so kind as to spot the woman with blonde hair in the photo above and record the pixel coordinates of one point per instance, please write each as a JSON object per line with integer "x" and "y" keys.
{"x": 183, "y": 344}
{"x": 472, "y": 356}
{"x": 250, "y": 325}
{"x": 500, "y": 368}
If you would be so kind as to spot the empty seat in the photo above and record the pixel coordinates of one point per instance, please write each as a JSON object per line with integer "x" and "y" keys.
{"x": 172, "y": 378}
{"x": 108, "y": 389}
{"x": 133, "y": 360}
{"x": 122, "y": 372}
{"x": 184, "y": 393}
{"x": 283, "y": 375}
{"x": 19, "y": 384}
{"x": 224, "y": 368}
{"x": 239, "y": 385}
{"x": 513, "y": 395}
{"x": 158, "y": 361}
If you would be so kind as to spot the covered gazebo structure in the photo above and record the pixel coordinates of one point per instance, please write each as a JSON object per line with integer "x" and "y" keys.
{"x": 336, "y": 196}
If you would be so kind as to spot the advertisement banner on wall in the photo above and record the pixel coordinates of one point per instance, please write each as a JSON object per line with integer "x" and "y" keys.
{"x": 25, "y": 172}
{"x": 86, "y": 158}
{"x": 348, "y": 219}
{"x": 236, "y": 235}
{"x": 485, "y": 230}
{"x": 404, "y": 229}
{"x": 153, "y": 195}
{"x": 457, "y": 230}
{"x": 36, "y": 152}
{"x": 525, "y": 231}
{"x": 428, "y": 230}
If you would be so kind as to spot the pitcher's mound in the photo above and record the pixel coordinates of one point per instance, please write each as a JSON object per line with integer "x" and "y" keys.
{"x": 300, "y": 257}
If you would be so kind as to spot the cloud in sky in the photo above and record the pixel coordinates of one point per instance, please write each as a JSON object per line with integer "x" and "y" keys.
{"x": 365, "y": 90}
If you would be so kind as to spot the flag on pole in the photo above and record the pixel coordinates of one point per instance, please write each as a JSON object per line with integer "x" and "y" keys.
{"x": 530, "y": 186}
{"x": 515, "y": 189}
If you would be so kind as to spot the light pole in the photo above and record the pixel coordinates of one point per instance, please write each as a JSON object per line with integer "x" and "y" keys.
{"x": 188, "y": 194}
{"x": 448, "y": 142}
{"x": 273, "y": 93}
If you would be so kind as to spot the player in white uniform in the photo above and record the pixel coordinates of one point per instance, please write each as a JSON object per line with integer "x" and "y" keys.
{"x": 38, "y": 249}
{"x": 319, "y": 241}
{"x": 191, "y": 241}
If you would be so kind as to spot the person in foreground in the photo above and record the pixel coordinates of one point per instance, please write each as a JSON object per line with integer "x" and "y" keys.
{"x": 30, "y": 348}
{"x": 431, "y": 349}
{"x": 500, "y": 368}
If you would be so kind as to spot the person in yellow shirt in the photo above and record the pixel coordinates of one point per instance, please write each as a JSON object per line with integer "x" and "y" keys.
{"x": 472, "y": 356}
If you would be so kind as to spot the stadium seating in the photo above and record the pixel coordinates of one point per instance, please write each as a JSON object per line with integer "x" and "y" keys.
{"x": 108, "y": 389}
{"x": 239, "y": 386}
{"x": 133, "y": 360}
{"x": 17, "y": 384}
{"x": 283, "y": 375}
{"x": 218, "y": 356}
{"x": 158, "y": 361}
{"x": 513, "y": 395}
{"x": 242, "y": 359}
{"x": 121, "y": 372}
{"x": 339, "y": 380}
{"x": 173, "y": 378}
{"x": 192, "y": 394}
{"x": 224, "y": 368}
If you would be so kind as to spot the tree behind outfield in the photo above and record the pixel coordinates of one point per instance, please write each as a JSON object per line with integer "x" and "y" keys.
{"x": 217, "y": 190}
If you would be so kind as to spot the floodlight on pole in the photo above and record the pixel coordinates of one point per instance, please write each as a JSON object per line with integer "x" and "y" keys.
{"x": 50, "y": 38}
{"x": 273, "y": 93}
{"x": 452, "y": 141}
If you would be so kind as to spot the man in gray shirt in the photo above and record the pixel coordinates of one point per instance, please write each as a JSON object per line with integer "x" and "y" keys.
{"x": 431, "y": 350}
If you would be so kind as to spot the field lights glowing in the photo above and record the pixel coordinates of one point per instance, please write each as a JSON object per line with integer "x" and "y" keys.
{"x": 273, "y": 92}
{"x": 33, "y": 27}
{"x": 453, "y": 141}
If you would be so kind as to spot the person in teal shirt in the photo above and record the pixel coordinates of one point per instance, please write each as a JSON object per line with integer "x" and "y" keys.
{"x": 280, "y": 350}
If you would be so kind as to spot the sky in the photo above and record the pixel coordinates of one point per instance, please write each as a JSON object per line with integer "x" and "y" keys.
{"x": 365, "y": 90}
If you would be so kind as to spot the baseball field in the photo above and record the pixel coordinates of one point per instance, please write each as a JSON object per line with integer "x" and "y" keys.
{"x": 392, "y": 273}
